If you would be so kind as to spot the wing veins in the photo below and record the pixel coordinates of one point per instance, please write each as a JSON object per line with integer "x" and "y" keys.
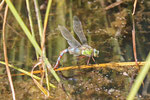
{"x": 77, "y": 26}
{"x": 67, "y": 35}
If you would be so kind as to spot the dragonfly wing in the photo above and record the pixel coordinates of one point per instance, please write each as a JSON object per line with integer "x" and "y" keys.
{"x": 77, "y": 26}
{"x": 67, "y": 35}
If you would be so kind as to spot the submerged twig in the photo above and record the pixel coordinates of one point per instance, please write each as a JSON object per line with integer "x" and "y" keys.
{"x": 117, "y": 66}
{"x": 105, "y": 65}
{"x": 5, "y": 55}
{"x": 114, "y": 4}
{"x": 45, "y": 23}
{"x": 9, "y": 26}
{"x": 37, "y": 83}
{"x": 134, "y": 7}
{"x": 2, "y": 4}
{"x": 43, "y": 41}
{"x": 133, "y": 41}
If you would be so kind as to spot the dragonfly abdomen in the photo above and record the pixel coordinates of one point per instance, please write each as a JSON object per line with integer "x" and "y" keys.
{"x": 60, "y": 56}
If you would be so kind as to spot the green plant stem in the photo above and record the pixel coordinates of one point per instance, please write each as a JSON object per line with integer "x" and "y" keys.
{"x": 30, "y": 37}
{"x": 47, "y": 12}
{"x": 38, "y": 15}
{"x": 43, "y": 38}
{"x": 31, "y": 22}
{"x": 143, "y": 72}
{"x": 25, "y": 72}
{"x": 30, "y": 18}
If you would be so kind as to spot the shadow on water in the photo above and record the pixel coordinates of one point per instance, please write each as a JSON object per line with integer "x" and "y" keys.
{"x": 109, "y": 31}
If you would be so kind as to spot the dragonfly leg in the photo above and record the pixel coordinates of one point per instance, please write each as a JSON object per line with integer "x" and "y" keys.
{"x": 88, "y": 60}
{"x": 93, "y": 60}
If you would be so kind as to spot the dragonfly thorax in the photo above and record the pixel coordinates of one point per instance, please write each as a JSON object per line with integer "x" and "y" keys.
{"x": 89, "y": 51}
{"x": 86, "y": 50}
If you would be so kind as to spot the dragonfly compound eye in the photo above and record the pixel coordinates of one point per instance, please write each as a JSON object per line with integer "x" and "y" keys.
{"x": 96, "y": 53}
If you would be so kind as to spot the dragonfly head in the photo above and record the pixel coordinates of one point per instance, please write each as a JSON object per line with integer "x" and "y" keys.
{"x": 95, "y": 53}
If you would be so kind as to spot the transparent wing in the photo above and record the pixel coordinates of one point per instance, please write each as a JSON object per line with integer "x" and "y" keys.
{"x": 67, "y": 35}
{"x": 77, "y": 26}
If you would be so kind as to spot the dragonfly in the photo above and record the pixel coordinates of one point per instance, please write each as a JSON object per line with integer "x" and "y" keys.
{"x": 75, "y": 48}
